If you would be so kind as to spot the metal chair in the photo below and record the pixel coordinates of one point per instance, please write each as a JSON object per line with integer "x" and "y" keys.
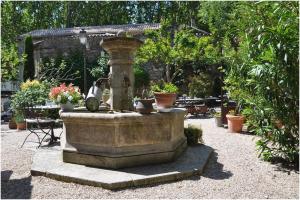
{"x": 39, "y": 125}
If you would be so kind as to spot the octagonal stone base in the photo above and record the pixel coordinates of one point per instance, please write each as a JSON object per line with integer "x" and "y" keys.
{"x": 121, "y": 140}
{"x": 48, "y": 162}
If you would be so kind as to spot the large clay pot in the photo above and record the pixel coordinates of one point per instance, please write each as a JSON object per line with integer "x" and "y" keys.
{"x": 21, "y": 126}
{"x": 235, "y": 123}
{"x": 144, "y": 106}
{"x": 165, "y": 100}
{"x": 12, "y": 124}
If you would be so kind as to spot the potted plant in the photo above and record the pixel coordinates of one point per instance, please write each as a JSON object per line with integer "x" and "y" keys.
{"x": 193, "y": 134}
{"x": 144, "y": 105}
{"x": 18, "y": 103}
{"x": 165, "y": 94}
{"x": 235, "y": 121}
{"x": 12, "y": 123}
{"x": 20, "y": 121}
{"x": 65, "y": 96}
{"x": 218, "y": 119}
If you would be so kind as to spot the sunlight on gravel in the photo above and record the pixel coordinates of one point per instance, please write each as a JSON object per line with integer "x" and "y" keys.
{"x": 234, "y": 171}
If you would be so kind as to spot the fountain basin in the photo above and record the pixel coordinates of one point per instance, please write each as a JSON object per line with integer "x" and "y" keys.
{"x": 121, "y": 140}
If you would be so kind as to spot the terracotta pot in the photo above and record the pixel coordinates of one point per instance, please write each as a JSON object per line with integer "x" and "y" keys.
{"x": 144, "y": 106}
{"x": 21, "y": 126}
{"x": 165, "y": 100}
{"x": 12, "y": 124}
{"x": 235, "y": 123}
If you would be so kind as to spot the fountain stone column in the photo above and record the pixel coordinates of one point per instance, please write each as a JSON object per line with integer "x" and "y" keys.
{"x": 121, "y": 52}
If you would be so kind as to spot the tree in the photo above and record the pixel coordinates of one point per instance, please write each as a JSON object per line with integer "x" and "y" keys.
{"x": 29, "y": 71}
{"x": 10, "y": 61}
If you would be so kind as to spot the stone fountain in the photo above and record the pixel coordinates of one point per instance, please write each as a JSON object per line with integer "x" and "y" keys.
{"x": 121, "y": 138}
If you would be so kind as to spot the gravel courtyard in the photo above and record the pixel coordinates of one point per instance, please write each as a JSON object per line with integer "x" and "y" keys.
{"x": 234, "y": 171}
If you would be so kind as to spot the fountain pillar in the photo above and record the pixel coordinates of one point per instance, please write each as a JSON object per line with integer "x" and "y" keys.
{"x": 121, "y": 53}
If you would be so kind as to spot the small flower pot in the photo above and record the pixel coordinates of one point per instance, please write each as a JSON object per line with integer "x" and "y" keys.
{"x": 235, "y": 123}
{"x": 21, "y": 126}
{"x": 218, "y": 121}
{"x": 144, "y": 106}
{"x": 67, "y": 107}
{"x": 12, "y": 124}
{"x": 165, "y": 100}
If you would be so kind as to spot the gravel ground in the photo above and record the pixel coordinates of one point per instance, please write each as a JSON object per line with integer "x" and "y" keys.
{"x": 234, "y": 171}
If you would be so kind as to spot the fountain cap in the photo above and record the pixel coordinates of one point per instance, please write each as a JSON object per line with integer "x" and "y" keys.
{"x": 120, "y": 42}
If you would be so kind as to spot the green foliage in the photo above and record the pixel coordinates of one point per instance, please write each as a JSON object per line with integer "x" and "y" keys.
{"x": 10, "y": 62}
{"x": 34, "y": 94}
{"x": 29, "y": 63}
{"x": 193, "y": 135}
{"x": 141, "y": 77}
{"x": 217, "y": 114}
{"x": 264, "y": 76}
{"x": 164, "y": 87}
{"x": 200, "y": 86}
{"x": 101, "y": 70}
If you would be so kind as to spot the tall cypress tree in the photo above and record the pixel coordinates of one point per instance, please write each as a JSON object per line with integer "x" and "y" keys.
{"x": 29, "y": 63}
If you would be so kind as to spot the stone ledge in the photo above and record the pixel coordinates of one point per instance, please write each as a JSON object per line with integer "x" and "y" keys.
{"x": 192, "y": 162}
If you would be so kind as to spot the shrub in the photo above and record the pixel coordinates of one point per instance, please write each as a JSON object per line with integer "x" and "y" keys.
{"x": 31, "y": 93}
{"x": 264, "y": 78}
{"x": 193, "y": 134}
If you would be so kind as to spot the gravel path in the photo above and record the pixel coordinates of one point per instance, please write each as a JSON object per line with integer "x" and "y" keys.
{"x": 234, "y": 171}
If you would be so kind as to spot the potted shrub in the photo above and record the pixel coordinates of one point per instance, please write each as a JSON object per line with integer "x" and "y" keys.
{"x": 18, "y": 103}
{"x": 165, "y": 94}
{"x": 32, "y": 93}
{"x": 218, "y": 119}
{"x": 235, "y": 121}
{"x": 65, "y": 96}
{"x": 144, "y": 105}
{"x": 193, "y": 135}
{"x": 12, "y": 123}
{"x": 20, "y": 121}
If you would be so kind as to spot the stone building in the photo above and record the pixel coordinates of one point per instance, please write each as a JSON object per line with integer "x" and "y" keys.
{"x": 49, "y": 43}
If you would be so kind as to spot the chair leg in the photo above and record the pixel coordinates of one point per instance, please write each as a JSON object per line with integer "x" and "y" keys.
{"x": 31, "y": 131}
{"x": 26, "y": 139}
{"x": 62, "y": 130}
{"x": 46, "y": 133}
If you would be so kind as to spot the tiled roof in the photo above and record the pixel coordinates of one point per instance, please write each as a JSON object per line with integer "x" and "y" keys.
{"x": 105, "y": 29}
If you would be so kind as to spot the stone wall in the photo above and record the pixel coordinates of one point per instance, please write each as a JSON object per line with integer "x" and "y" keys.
{"x": 54, "y": 46}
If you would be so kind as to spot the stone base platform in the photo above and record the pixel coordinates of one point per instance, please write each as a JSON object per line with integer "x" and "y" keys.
{"x": 48, "y": 162}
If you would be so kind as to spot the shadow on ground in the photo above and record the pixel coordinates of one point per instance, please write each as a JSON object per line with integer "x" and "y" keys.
{"x": 15, "y": 188}
{"x": 285, "y": 166}
{"x": 214, "y": 169}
